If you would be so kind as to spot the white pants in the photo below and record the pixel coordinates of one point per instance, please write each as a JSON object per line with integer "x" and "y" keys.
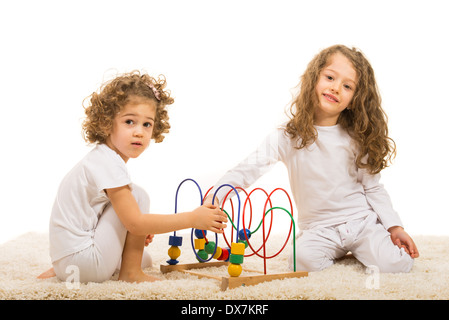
{"x": 366, "y": 238}
{"x": 99, "y": 262}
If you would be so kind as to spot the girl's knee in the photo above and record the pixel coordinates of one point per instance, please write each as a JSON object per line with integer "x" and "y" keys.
{"x": 393, "y": 261}
{"x": 402, "y": 264}
{"x": 311, "y": 260}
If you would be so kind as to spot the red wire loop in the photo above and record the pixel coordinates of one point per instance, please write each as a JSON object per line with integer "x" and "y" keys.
{"x": 264, "y": 235}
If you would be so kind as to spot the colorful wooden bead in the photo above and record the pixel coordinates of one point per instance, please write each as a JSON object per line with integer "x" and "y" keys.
{"x": 199, "y": 244}
{"x": 238, "y": 248}
{"x": 175, "y": 241}
{"x": 224, "y": 255}
{"x": 218, "y": 253}
{"x": 200, "y": 234}
{"x": 242, "y": 234}
{"x": 210, "y": 247}
{"x": 234, "y": 270}
{"x": 202, "y": 254}
{"x": 236, "y": 258}
{"x": 172, "y": 262}
{"x": 174, "y": 252}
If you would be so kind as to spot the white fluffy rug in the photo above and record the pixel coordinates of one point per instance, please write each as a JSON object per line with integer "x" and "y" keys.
{"x": 22, "y": 259}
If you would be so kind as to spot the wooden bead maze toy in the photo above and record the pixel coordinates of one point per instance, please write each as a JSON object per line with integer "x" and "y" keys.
{"x": 233, "y": 255}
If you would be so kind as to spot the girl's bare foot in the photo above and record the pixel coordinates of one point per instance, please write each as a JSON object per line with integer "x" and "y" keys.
{"x": 47, "y": 274}
{"x": 139, "y": 276}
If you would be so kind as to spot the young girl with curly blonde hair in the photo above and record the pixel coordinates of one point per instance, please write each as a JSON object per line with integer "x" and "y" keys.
{"x": 100, "y": 220}
{"x": 334, "y": 146}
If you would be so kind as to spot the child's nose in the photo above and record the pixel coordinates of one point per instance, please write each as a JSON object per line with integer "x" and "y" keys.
{"x": 334, "y": 87}
{"x": 138, "y": 132}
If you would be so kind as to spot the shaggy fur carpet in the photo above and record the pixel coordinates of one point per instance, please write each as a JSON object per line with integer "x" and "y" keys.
{"x": 25, "y": 257}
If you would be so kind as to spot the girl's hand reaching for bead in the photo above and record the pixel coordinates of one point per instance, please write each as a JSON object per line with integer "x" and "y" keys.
{"x": 209, "y": 217}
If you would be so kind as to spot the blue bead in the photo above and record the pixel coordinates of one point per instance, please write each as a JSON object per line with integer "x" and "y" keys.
{"x": 175, "y": 241}
{"x": 199, "y": 233}
{"x": 172, "y": 262}
{"x": 242, "y": 234}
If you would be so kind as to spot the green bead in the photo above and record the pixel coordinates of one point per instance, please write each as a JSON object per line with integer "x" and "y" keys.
{"x": 202, "y": 254}
{"x": 210, "y": 247}
{"x": 236, "y": 259}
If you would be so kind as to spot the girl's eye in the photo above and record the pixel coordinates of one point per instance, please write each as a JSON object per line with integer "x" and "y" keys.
{"x": 329, "y": 77}
{"x": 147, "y": 124}
{"x": 129, "y": 121}
{"x": 348, "y": 87}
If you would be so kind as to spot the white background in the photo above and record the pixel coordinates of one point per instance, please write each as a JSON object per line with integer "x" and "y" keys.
{"x": 232, "y": 67}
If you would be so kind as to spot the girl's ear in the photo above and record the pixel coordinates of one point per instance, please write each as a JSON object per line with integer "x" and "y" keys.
{"x": 107, "y": 133}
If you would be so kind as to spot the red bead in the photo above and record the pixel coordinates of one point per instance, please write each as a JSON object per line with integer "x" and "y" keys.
{"x": 224, "y": 255}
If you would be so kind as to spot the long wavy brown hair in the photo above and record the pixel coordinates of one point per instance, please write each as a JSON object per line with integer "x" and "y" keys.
{"x": 113, "y": 95}
{"x": 364, "y": 119}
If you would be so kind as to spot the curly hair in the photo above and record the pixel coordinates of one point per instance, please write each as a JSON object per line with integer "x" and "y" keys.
{"x": 115, "y": 94}
{"x": 364, "y": 119}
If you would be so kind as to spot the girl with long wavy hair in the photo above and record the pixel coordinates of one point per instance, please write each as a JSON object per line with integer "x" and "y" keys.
{"x": 334, "y": 147}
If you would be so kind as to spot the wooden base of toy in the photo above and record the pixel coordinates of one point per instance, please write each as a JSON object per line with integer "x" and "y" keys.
{"x": 230, "y": 282}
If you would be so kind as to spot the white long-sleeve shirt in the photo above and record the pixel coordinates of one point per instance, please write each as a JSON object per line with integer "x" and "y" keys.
{"x": 327, "y": 186}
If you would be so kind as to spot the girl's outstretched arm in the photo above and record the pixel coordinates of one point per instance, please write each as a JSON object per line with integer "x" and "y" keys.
{"x": 205, "y": 217}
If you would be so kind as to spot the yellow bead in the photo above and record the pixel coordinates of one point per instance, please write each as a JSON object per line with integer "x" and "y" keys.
{"x": 218, "y": 253}
{"x": 199, "y": 244}
{"x": 234, "y": 270}
{"x": 174, "y": 252}
{"x": 238, "y": 248}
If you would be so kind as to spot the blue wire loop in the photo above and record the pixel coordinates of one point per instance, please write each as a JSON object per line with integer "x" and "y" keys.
{"x": 193, "y": 229}
{"x": 176, "y": 196}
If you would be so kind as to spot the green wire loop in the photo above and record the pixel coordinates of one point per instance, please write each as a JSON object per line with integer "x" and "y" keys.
{"x": 294, "y": 230}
